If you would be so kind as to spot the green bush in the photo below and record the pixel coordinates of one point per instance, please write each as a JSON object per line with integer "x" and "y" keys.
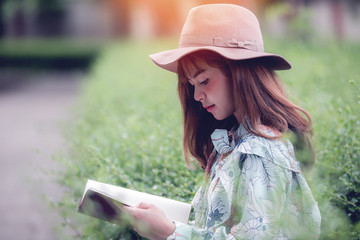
{"x": 341, "y": 164}
{"x": 128, "y": 131}
{"x": 47, "y": 53}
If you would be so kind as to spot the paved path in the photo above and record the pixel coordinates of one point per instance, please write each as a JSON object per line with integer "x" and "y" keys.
{"x": 30, "y": 114}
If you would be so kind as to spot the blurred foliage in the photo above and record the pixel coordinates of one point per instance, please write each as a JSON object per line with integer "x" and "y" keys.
{"x": 296, "y": 20}
{"x": 48, "y": 53}
{"x": 48, "y": 47}
{"x": 128, "y": 131}
{"x": 10, "y": 7}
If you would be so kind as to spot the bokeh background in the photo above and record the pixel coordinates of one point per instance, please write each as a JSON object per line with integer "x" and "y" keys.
{"x": 79, "y": 99}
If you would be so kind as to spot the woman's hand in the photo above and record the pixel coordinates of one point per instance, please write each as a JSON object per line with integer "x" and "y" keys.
{"x": 150, "y": 222}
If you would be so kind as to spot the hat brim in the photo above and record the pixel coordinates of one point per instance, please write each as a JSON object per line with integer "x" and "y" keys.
{"x": 168, "y": 59}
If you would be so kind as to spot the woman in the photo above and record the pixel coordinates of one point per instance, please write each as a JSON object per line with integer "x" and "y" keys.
{"x": 237, "y": 125}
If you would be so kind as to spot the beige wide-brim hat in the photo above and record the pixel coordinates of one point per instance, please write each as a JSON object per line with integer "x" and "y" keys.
{"x": 230, "y": 30}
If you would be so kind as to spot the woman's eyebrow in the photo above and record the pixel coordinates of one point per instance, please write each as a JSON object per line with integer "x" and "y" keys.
{"x": 198, "y": 72}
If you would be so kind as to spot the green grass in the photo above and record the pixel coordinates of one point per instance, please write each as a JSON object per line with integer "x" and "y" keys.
{"x": 128, "y": 130}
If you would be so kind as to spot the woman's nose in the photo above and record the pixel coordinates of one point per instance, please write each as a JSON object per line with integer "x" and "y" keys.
{"x": 199, "y": 95}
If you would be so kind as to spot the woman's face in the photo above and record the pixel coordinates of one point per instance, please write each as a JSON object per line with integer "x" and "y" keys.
{"x": 213, "y": 90}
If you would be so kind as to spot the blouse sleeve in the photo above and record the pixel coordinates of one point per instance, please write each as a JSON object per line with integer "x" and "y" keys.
{"x": 258, "y": 194}
{"x": 262, "y": 198}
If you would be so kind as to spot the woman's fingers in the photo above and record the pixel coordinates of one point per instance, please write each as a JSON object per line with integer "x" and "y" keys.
{"x": 142, "y": 218}
{"x": 144, "y": 205}
{"x": 135, "y": 212}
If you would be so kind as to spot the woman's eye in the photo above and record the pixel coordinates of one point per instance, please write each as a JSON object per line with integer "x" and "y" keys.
{"x": 204, "y": 82}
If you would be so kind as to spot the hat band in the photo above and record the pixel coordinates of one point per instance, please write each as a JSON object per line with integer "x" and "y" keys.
{"x": 189, "y": 40}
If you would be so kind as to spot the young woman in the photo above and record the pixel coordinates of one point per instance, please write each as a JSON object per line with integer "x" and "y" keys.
{"x": 238, "y": 125}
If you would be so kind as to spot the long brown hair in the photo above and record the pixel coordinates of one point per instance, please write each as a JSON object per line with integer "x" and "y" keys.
{"x": 259, "y": 98}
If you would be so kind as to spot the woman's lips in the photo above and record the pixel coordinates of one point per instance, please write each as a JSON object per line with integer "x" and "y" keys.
{"x": 209, "y": 108}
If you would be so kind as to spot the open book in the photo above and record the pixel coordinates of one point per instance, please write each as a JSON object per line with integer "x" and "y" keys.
{"x": 104, "y": 201}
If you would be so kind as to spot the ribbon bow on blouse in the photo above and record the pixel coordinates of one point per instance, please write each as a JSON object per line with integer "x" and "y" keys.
{"x": 224, "y": 142}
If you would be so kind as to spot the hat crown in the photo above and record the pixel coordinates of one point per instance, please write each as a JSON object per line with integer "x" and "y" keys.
{"x": 230, "y": 30}
{"x": 221, "y": 24}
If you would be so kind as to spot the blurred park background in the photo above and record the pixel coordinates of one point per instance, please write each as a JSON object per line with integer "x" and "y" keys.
{"x": 79, "y": 99}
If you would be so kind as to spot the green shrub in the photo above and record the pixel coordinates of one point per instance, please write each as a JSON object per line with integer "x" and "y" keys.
{"x": 341, "y": 167}
{"x": 128, "y": 132}
{"x": 47, "y": 53}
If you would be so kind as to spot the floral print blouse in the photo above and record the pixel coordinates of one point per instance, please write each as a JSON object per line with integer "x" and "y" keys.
{"x": 254, "y": 190}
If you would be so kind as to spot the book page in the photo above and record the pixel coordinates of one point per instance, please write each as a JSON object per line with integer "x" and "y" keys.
{"x": 174, "y": 210}
{"x": 100, "y": 206}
